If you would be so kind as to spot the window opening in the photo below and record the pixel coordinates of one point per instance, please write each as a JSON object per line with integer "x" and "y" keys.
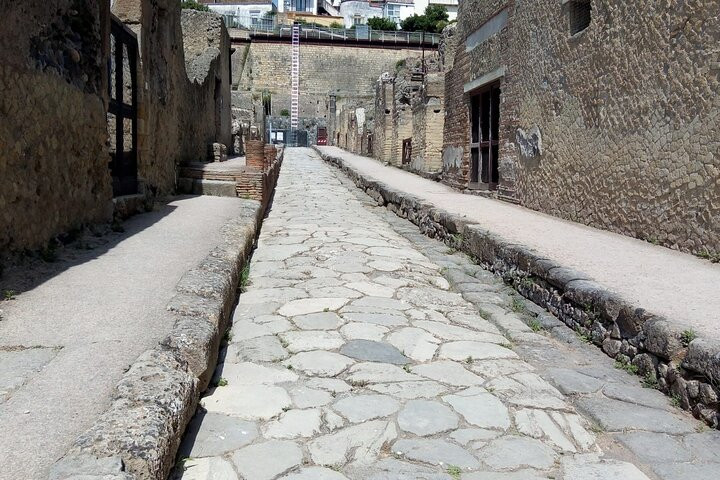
{"x": 579, "y": 15}
{"x": 484, "y": 137}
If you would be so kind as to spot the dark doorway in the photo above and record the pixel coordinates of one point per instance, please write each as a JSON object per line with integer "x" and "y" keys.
{"x": 407, "y": 151}
{"x": 484, "y": 141}
{"x": 122, "y": 111}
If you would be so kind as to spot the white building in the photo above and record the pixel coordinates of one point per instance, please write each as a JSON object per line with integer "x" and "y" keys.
{"x": 246, "y": 11}
{"x": 450, "y": 5}
{"x": 357, "y": 12}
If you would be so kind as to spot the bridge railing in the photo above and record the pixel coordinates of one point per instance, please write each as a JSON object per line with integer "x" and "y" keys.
{"x": 267, "y": 26}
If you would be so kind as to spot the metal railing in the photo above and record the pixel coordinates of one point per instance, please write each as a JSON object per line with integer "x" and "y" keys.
{"x": 267, "y": 26}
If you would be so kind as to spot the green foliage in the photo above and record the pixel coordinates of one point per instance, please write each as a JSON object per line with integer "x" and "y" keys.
{"x": 707, "y": 255}
{"x": 245, "y": 277}
{"x": 535, "y": 325}
{"x": 454, "y": 471}
{"x": 688, "y": 336}
{"x": 650, "y": 381}
{"x": 9, "y": 295}
{"x": 379, "y": 23}
{"x": 628, "y": 367}
{"x": 518, "y": 306}
{"x": 284, "y": 112}
{"x": 194, "y": 5}
{"x": 433, "y": 20}
{"x": 337, "y": 25}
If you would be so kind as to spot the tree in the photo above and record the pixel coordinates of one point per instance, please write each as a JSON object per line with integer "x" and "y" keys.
{"x": 193, "y": 5}
{"x": 379, "y": 23}
{"x": 433, "y": 20}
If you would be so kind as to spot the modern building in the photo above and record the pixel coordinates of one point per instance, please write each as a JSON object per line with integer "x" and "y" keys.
{"x": 358, "y": 12}
{"x": 450, "y": 5}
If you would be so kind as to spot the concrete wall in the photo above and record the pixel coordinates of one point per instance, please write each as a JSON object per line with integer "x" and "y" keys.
{"x": 53, "y": 134}
{"x": 625, "y": 113}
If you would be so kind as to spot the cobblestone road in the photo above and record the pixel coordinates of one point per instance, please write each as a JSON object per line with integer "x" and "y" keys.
{"x": 352, "y": 357}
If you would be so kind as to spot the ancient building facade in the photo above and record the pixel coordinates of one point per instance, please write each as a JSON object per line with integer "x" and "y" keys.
{"x": 599, "y": 112}
{"x": 56, "y": 128}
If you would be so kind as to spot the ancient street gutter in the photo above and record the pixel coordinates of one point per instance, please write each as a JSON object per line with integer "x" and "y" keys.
{"x": 139, "y": 435}
{"x": 661, "y": 351}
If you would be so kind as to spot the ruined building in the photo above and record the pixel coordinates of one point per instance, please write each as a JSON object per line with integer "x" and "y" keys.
{"x": 599, "y": 112}
{"x": 99, "y": 106}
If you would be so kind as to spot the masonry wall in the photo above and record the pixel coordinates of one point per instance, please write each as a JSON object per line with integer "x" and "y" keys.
{"x": 53, "y": 134}
{"x": 615, "y": 127}
{"x": 347, "y": 72}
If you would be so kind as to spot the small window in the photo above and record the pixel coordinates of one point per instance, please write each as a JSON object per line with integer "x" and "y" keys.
{"x": 357, "y": 20}
{"x": 579, "y": 15}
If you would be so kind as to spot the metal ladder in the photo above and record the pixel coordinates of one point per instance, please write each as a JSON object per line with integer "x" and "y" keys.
{"x": 295, "y": 83}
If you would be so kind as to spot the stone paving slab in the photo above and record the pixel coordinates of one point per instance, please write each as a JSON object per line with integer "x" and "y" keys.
{"x": 479, "y": 394}
{"x": 645, "y": 306}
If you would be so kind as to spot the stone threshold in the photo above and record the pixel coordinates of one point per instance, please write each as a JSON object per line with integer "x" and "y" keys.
{"x": 666, "y": 354}
{"x": 138, "y": 436}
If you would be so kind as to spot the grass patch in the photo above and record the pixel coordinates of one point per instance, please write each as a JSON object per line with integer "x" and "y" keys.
{"x": 687, "y": 336}
{"x": 713, "y": 257}
{"x": 245, "y": 277}
{"x": 628, "y": 367}
{"x": 650, "y": 381}
{"x": 517, "y": 305}
{"x": 469, "y": 359}
{"x": 8, "y": 295}
{"x": 454, "y": 471}
{"x": 676, "y": 401}
{"x": 222, "y": 382}
{"x": 535, "y": 325}
{"x": 359, "y": 383}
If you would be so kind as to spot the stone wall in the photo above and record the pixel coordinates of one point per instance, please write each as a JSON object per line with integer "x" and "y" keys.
{"x": 54, "y": 157}
{"x": 614, "y": 126}
{"x": 347, "y": 72}
{"x": 185, "y": 96}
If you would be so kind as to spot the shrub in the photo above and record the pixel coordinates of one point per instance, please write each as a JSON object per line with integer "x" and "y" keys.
{"x": 194, "y": 5}
{"x": 379, "y": 23}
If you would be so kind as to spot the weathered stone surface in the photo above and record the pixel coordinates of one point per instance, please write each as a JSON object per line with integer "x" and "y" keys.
{"x": 250, "y": 402}
{"x": 212, "y": 434}
{"x": 311, "y": 340}
{"x": 465, "y": 436}
{"x": 363, "y": 331}
{"x": 655, "y": 447}
{"x": 462, "y": 350}
{"x": 360, "y": 408}
{"x": 318, "y": 321}
{"x": 538, "y": 424}
{"x": 265, "y": 461}
{"x": 314, "y": 473}
{"x": 424, "y": 418}
{"x": 304, "y": 397}
{"x": 89, "y": 467}
{"x": 368, "y": 350}
{"x": 319, "y": 363}
{"x": 247, "y": 373}
{"x": 451, "y": 373}
{"x": 379, "y": 373}
{"x": 17, "y": 365}
{"x": 384, "y": 319}
{"x": 455, "y": 333}
{"x": 590, "y": 467}
{"x": 293, "y": 424}
{"x": 571, "y": 382}
{"x": 392, "y": 469}
{"x": 311, "y": 305}
{"x": 410, "y": 390}
{"x": 704, "y": 356}
{"x": 480, "y": 408}
{"x": 435, "y": 452}
{"x": 258, "y": 349}
{"x": 210, "y": 468}
{"x": 415, "y": 343}
{"x": 359, "y": 443}
{"x": 616, "y": 416}
{"x": 510, "y": 453}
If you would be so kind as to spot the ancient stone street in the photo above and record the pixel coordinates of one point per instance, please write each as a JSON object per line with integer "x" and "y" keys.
{"x": 361, "y": 349}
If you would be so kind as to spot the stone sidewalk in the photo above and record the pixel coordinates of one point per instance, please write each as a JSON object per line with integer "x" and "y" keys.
{"x": 66, "y": 342}
{"x": 649, "y": 307}
{"x": 363, "y": 350}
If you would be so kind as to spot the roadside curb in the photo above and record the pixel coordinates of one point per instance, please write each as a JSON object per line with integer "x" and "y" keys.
{"x": 139, "y": 435}
{"x": 665, "y": 353}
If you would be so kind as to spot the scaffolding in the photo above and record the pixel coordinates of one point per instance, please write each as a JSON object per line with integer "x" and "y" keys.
{"x": 295, "y": 83}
